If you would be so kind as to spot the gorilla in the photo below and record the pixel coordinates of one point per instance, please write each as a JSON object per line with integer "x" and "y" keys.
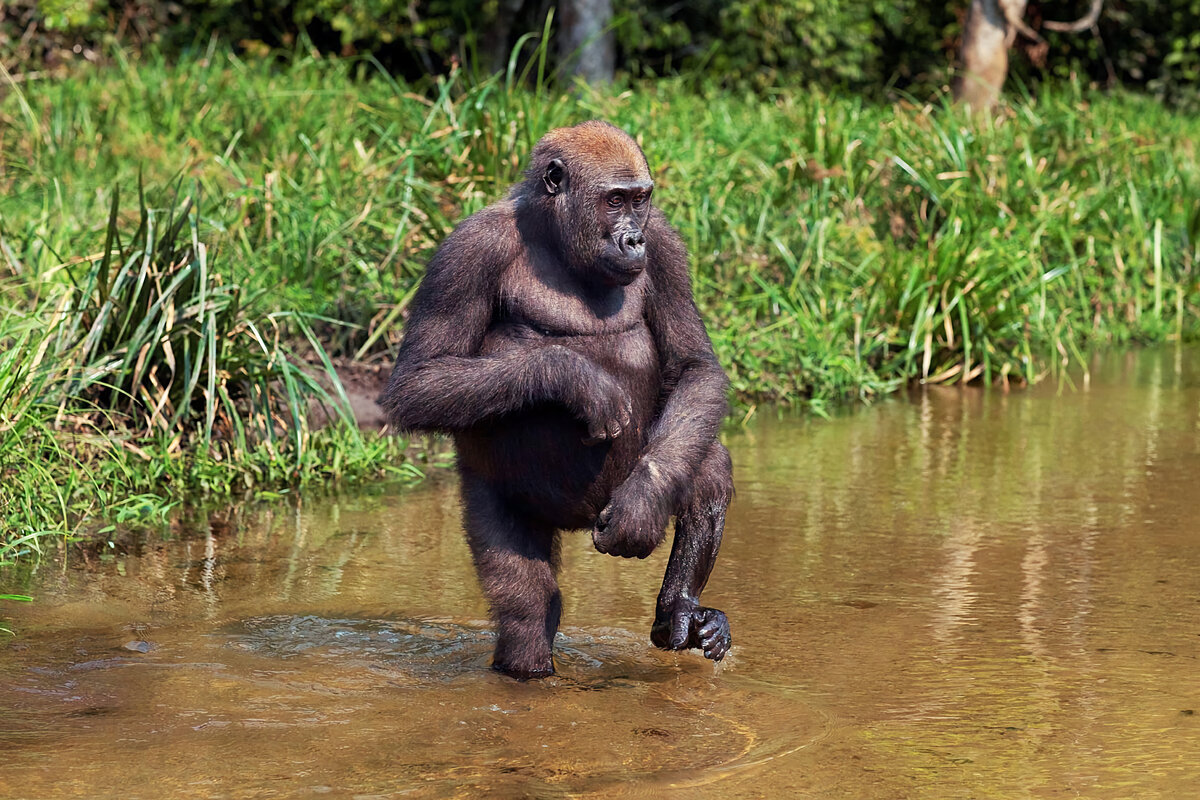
{"x": 555, "y": 337}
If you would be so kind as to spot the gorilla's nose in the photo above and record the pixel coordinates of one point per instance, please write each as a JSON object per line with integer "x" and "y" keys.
{"x": 634, "y": 244}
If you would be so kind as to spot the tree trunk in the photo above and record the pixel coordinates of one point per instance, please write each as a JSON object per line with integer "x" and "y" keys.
{"x": 987, "y": 35}
{"x": 990, "y": 30}
{"x": 495, "y": 48}
{"x": 585, "y": 41}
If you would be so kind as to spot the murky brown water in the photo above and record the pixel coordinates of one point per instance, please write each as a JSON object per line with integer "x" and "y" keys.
{"x": 967, "y": 595}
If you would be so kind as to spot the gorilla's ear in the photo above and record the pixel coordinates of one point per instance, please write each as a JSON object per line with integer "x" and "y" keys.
{"x": 555, "y": 176}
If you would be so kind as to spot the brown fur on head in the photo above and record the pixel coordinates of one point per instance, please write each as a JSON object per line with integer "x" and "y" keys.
{"x": 594, "y": 148}
{"x": 571, "y": 172}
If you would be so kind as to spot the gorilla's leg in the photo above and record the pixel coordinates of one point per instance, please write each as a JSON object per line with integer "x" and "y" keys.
{"x": 516, "y": 561}
{"x": 680, "y": 622}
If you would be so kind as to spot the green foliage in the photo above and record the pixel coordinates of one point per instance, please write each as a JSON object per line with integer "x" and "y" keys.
{"x": 155, "y": 339}
{"x": 764, "y": 43}
{"x": 1155, "y": 43}
{"x": 432, "y": 30}
{"x": 136, "y": 373}
{"x": 39, "y": 34}
{"x": 831, "y": 39}
{"x": 60, "y": 14}
{"x": 869, "y": 46}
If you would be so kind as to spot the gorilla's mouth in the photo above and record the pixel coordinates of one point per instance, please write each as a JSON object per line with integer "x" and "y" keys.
{"x": 623, "y": 270}
{"x": 623, "y": 261}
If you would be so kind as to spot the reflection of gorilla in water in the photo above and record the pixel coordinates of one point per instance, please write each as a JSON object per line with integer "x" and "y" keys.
{"x": 555, "y": 336}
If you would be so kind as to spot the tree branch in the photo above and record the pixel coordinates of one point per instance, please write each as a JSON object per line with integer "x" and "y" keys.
{"x": 1082, "y": 24}
{"x": 1014, "y": 13}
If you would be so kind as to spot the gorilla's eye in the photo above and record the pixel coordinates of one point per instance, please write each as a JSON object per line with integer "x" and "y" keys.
{"x": 640, "y": 199}
{"x": 615, "y": 200}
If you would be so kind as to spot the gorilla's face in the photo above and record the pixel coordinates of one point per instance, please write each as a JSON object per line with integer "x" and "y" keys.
{"x": 601, "y": 188}
{"x": 622, "y": 209}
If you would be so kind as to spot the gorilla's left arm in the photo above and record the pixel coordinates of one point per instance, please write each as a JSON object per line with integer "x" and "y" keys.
{"x": 692, "y": 405}
{"x": 694, "y": 385}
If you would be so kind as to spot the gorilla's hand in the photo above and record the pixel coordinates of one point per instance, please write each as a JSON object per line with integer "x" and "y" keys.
{"x": 688, "y": 625}
{"x": 604, "y": 405}
{"x": 634, "y": 521}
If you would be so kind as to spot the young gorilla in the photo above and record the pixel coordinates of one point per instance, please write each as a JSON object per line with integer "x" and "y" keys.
{"x": 555, "y": 336}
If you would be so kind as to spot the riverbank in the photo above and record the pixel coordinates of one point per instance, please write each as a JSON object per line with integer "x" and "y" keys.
{"x": 187, "y": 249}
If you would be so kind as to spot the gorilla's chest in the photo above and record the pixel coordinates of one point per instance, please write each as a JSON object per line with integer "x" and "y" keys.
{"x": 608, "y": 325}
{"x": 553, "y": 302}
{"x": 536, "y": 454}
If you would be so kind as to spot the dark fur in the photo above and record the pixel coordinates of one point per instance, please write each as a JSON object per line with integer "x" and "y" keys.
{"x": 570, "y": 364}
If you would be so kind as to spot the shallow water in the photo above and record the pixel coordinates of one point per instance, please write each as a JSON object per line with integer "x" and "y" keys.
{"x": 965, "y": 594}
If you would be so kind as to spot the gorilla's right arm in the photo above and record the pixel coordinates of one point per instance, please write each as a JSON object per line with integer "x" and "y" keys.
{"x": 441, "y": 383}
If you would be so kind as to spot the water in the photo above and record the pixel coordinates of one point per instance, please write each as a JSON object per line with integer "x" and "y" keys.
{"x": 964, "y": 594}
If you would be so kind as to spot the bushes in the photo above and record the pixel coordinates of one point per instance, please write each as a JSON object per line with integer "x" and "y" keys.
{"x": 35, "y": 34}
{"x": 867, "y": 46}
{"x": 789, "y": 42}
{"x": 138, "y": 368}
{"x": 1151, "y": 43}
{"x": 414, "y": 38}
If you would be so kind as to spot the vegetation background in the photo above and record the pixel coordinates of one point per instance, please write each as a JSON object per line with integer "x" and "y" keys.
{"x": 213, "y": 214}
{"x": 871, "y": 46}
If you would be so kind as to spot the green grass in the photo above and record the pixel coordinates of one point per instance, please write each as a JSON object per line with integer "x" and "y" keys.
{"x": 162, "y": 344}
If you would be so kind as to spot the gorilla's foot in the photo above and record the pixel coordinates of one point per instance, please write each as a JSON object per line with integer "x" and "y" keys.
{"x": 524, "y": 673}
{"x": 689, "y": 626}
{"x": 524, "y": 657}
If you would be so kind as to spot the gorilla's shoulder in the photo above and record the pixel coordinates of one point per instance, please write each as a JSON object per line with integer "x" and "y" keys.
{"x": 497, "y": 221}
{"x": 663, "y": 242}
{"x": 486, "y": 237}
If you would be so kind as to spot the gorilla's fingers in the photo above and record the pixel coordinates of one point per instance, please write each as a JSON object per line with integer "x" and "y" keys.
{"x": 681, "y": 626}
{"x": 713, "y": 632}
